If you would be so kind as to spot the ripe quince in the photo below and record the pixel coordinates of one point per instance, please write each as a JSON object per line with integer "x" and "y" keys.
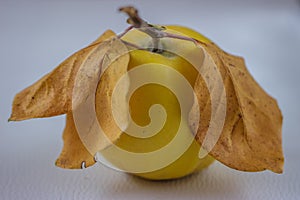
{"x": 169, "y": 100}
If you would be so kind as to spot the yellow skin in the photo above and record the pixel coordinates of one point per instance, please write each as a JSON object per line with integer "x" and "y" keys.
{"x": 144, "y": 97}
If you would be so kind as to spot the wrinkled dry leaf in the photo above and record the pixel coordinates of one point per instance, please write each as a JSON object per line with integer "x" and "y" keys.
{"x": 92, "y": 97}
{"x": 251, "y": 136}
{"x": 53, "y": 95}
{"x": 74, "y": 153}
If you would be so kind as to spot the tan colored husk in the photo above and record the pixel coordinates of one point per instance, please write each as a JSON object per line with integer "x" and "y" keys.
{"x": 74, "y": 152}
{"x": 52, "y": 95}
{"x": 251, "y": 137}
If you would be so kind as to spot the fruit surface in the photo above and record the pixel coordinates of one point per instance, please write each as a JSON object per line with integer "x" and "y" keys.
{"x": 181, "y": 158}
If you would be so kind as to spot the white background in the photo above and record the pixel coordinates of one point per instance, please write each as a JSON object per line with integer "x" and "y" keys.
{"x": 35, "y": 36}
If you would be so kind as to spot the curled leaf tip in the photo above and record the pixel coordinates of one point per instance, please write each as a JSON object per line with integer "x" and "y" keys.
{"x": 74, "y": 152}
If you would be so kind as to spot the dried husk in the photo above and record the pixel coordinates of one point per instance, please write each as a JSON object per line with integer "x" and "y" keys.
{"x": 52, "y": 95}
{"x": 251, "y": 138}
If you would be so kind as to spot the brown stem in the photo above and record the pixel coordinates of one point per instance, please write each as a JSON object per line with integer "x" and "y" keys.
{"x": 126, "y": 31}
{"x": 134, "y": 18}
{"x": 154, "y": 31}
{"x": 137, "y": 22}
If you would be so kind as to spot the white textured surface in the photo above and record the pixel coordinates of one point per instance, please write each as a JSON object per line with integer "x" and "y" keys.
{"x": 38, "y": 35}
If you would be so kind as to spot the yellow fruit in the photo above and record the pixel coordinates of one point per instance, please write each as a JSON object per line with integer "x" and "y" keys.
{"x": 182, "y": 158}
{"x": 185, "y": 31}
{"x": 155, "y": 105}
